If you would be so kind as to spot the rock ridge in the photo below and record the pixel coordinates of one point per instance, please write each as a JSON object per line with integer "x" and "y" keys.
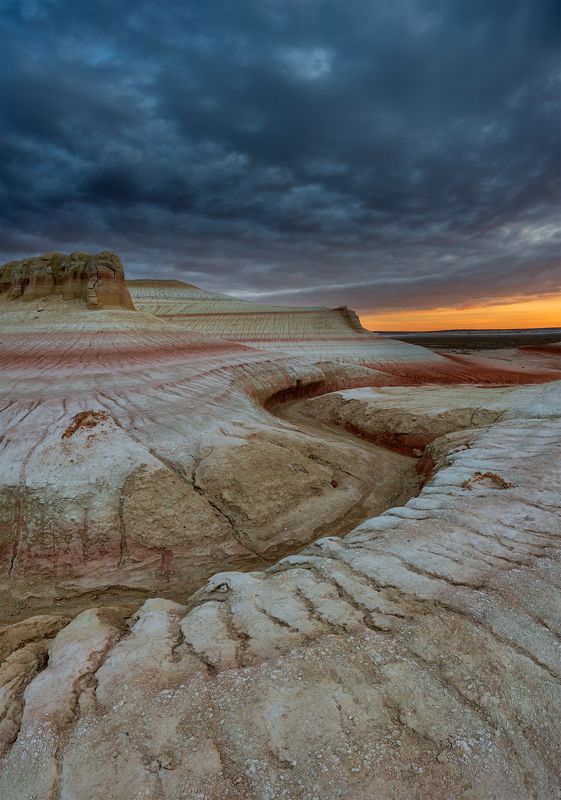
{"x": 97, "y": 279}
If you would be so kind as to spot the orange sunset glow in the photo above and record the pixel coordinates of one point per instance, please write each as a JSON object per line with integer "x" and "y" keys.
{"x": 540, "y": 312}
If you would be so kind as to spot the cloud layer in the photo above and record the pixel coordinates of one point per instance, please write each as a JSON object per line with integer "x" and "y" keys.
{"x": 383, "y": 155}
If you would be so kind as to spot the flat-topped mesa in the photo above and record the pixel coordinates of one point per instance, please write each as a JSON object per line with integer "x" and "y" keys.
{"x": 98, "y": 279}
{"x": 232, "y": 318}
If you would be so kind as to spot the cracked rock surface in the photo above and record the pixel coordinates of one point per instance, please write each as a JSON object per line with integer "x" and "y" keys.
{"x": 96, "y": 280}
{"x": 417, "y": 657}
{"x": 136, "y": 456}
{"x": 356, "y": 596}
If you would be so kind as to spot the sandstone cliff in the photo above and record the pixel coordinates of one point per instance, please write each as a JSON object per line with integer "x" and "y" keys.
{"x": 97, "y": 279}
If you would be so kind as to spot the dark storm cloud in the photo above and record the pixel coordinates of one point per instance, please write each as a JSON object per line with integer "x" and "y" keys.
{"x": 375, "y": 154}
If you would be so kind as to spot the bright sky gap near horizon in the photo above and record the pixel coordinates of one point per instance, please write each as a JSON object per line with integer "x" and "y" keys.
{"x": 401, "y": 158}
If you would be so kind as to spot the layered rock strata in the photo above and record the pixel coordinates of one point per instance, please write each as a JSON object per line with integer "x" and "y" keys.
{"x": 417, "y": 656}
{"x": 97, "y": 280}
{"x": 138, "y": 457}
{"x": 242, "y": 321}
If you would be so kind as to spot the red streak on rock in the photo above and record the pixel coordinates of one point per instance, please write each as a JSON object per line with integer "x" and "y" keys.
{"x": 455, "y": 370}
{"x": 85, "y": 419}
{"x": 460, "y": 369}
{"x": 65, "y": 561}
{"x": 81, "y": 352}
{"x": 408, "y": 444}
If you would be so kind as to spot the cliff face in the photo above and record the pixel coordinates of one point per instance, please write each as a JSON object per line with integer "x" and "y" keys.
{"x": 97, "y": 279}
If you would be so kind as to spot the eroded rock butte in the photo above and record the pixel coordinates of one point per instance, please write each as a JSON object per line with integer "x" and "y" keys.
{"x": 97, "y": 280}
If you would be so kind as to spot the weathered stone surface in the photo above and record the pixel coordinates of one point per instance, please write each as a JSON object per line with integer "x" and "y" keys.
{"x": 138, "y": 458}
{"x": 407, "y": 419}
{"x": 229, "y": 318}
{"x": 98, "y": 280}
{"x": 416, "y": 656}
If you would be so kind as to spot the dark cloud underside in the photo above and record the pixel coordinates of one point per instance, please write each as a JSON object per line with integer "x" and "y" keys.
{"x": 384, "y": 155}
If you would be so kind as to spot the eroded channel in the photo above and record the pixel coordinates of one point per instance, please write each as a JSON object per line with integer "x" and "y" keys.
{"x": 390, "y": 478}
{"x": 328, "y": 478}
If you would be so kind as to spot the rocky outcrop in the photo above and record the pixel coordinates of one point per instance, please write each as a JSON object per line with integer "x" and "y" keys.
{"x": 237, "y": 320}
{"x": 137, "y": 457}
{"x": 108, "y": 479}
{"x": 417, "y": 657}
{"x": 97, "y": 280}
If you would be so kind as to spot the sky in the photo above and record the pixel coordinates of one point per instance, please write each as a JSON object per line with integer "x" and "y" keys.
{"x": 402, "y": 158}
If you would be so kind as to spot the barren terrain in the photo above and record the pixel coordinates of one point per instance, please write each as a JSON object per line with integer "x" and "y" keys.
{"x": 472, "y": 341}
{"x": 263, "y": 553}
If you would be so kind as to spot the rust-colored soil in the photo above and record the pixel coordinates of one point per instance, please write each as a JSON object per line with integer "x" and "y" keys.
{"x": 85, "y": 419}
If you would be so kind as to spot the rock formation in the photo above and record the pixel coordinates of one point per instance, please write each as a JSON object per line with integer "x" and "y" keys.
{"x": 242, "y": 321}
{"x": 259, "y": 572}
{"x": 142, "y": 453}
{"x": 97, "y": 280}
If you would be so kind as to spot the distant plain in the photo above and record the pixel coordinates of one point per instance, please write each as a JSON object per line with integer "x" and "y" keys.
{"x": 478, "y": 339}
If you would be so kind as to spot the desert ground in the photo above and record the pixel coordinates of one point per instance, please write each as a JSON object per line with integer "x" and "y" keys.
{"x": 257, "y": 552}
{"x": 473, "y": 341}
